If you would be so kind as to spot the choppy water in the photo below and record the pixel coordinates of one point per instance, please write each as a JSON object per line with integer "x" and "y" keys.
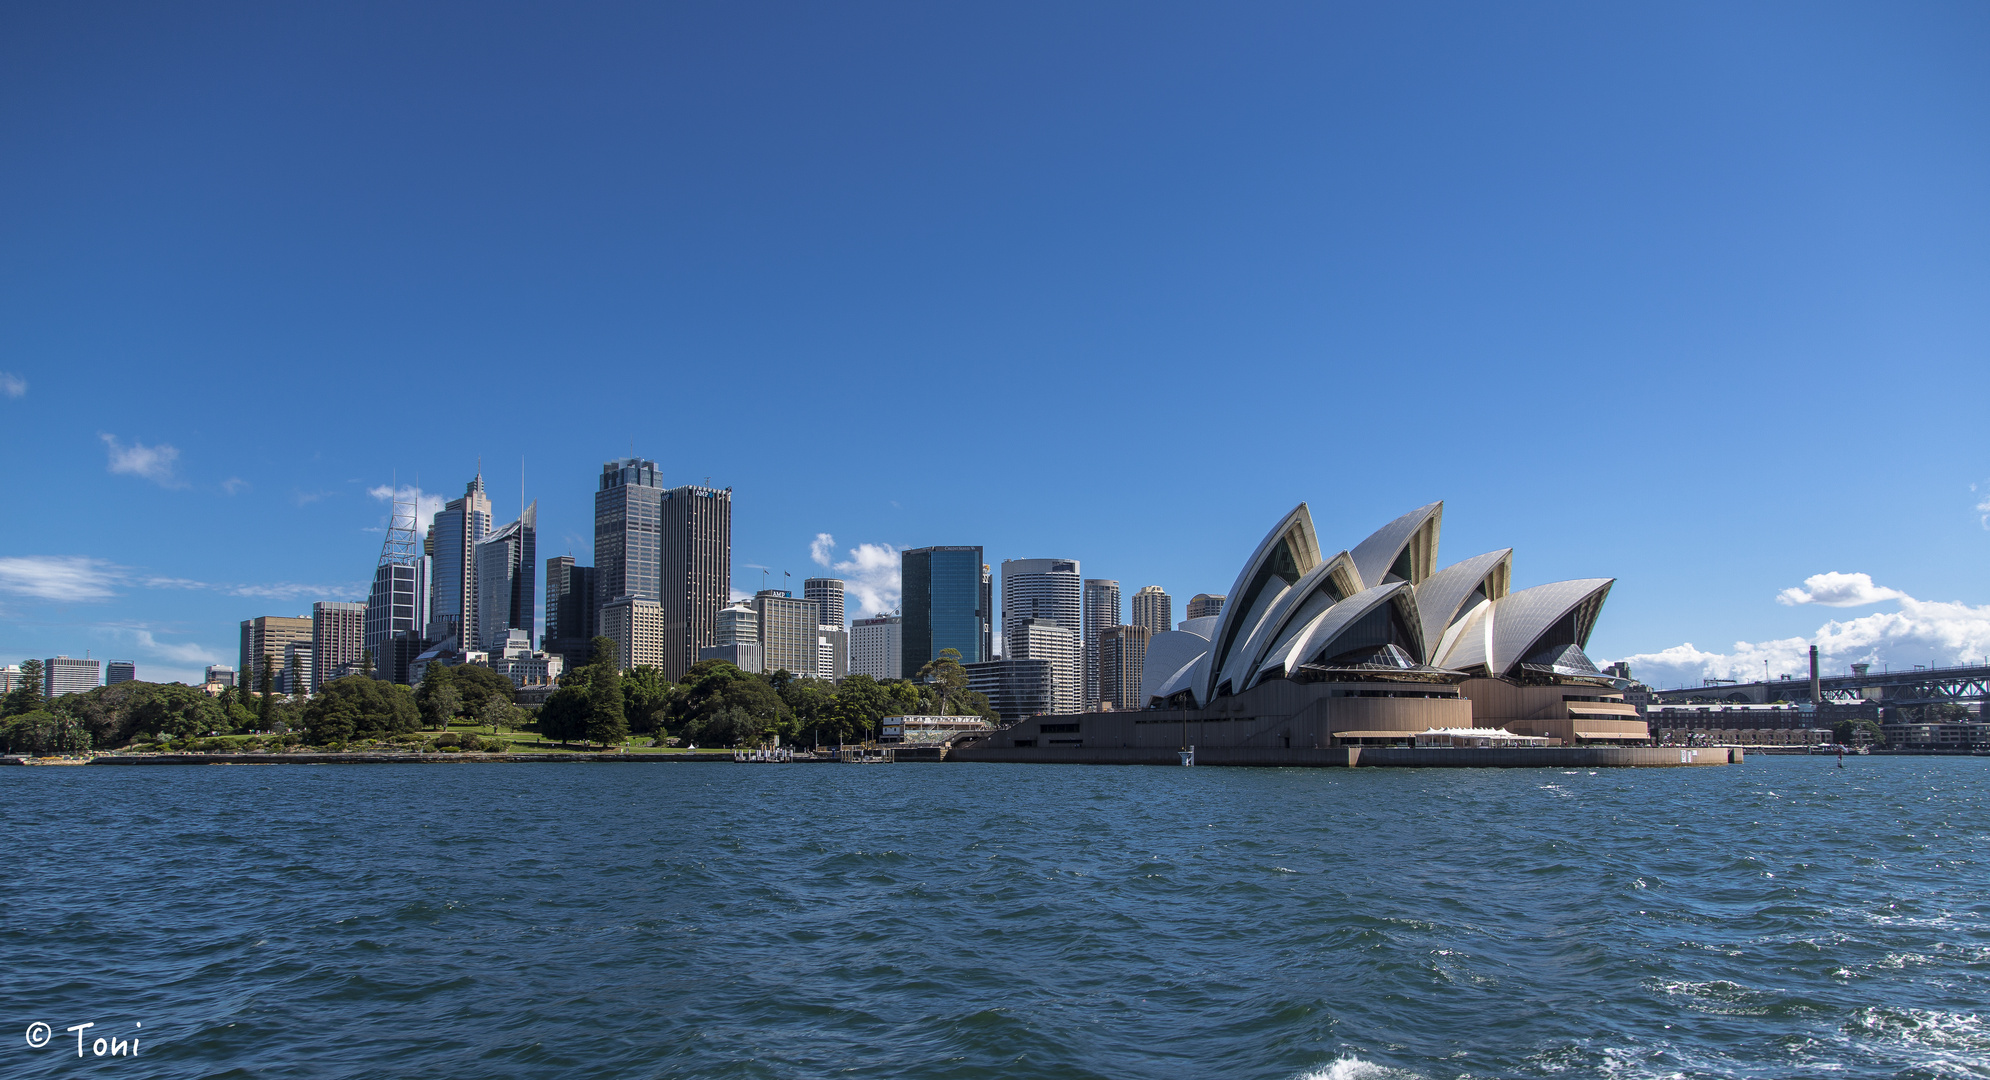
{"x": 1779, "y": 919}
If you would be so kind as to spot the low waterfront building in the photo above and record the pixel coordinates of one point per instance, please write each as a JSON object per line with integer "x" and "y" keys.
{"x": 1016, "y": 689}
{"x": 927, "y": 730}
{"x": 1937, "y": 735}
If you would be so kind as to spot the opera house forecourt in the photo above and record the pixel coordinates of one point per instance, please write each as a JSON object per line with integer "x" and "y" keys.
{"x": 1366, "y": 657}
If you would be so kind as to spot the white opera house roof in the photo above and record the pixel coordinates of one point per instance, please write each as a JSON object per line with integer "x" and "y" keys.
{"x": 1381, "y": 609}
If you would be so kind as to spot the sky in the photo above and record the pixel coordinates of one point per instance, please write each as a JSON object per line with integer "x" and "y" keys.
{"x": 1692, "y": 296}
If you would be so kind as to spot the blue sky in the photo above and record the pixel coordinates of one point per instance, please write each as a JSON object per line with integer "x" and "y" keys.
{"x": 1690, "y": 296}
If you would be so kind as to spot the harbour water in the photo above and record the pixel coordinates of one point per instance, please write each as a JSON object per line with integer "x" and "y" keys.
{"x": 1781, "y": 918}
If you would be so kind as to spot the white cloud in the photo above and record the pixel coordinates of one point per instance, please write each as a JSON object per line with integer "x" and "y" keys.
{"x": 1838, "y": 590}
{"x": 1920, "y": 632}
{"x": 870, "y": 577}
{"x": 820, "y": 548}
{"x": 288, "y": 591}
{"x": 154, "y": 463}
{"x": 187, "y": 653}
{"x": 234, "y": 485}
{"x": 739, "y": 594}
{"x": 12, "y": 385}
{"x": 58, "y": 577}
{"x": 427, "y": 504}
{"x": 1983, "y": 508}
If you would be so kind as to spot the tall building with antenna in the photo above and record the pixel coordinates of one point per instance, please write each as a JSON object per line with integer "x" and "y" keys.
{"x": 396, "y": 605}
{"x": 454, "y": 534}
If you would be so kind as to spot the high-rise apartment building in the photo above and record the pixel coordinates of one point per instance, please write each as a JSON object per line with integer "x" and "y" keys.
{"x": 266, "y": 641}
{"x": 1153, "y": 609}
{"x": 787, "y": 631}
{"x": 117, "y": 671}
{"x": 10, "y": 676}
{"x": 1048, "y": 589}
{"x": 67, "y": 675}
{"x": 696, "y": 571}
{"x": 1047, "y": 639}
{"x": 1204, "y": 604}
{"x": 1122, "y": 658}
{"x": 299, "y": 673}
{"x": 947, "y": 606}
{"x": 338, "y": 641}
{"x": 832, "y": 652}
{"x": 876, "y": 647}
{"x": 507, "y": 592}
{"x": 570, "y": 610}
{"x": 636, "y": 625}
{"x": 453, "y": 536}
{"x": 1101, "y": 611}
{"x": 737, "y": 624}
{"x": 223, "y": 674}
{"x": 828, "y": 593}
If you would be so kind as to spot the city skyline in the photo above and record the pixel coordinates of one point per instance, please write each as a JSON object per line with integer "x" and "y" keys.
{"x": 1670, "y": 235}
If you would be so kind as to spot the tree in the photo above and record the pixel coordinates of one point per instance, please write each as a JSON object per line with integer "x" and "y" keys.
{"x": 266, "y": 708}
{"x": 476, "y": 683}
{"x": 606, "y": 721}
{"x": 646, "y": 698}
{"x": 497, "y": 712}
{"x": 564, "y": 716}
{"x": 26, "y": 695}
{"x": 438, "y": 699}
{"x": 359, "y": 707}
{"x": 944, "y": 671}
{"x": 365, "y": 663}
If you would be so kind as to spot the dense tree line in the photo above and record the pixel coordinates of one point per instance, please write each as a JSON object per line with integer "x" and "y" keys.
{"x": 717, "y": 704}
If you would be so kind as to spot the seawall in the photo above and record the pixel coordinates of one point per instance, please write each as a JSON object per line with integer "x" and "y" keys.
{"x": 1544, "y": 757}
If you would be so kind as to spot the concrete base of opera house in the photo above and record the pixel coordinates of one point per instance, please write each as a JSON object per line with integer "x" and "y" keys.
{"x": 1352, "y": 722}
{"x": 1411, "y": 757}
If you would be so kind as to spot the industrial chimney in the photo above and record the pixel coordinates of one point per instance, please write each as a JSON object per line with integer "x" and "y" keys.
{"x": 1816, "y": 691}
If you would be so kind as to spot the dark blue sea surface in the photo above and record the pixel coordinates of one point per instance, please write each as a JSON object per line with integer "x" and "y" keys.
{"x": 1781, "y": 918}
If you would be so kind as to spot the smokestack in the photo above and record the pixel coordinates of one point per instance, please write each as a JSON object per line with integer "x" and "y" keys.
{"x": 1816, "y": 693}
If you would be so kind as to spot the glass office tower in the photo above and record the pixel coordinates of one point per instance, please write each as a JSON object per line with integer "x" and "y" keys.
{"x": 947, "y": 600}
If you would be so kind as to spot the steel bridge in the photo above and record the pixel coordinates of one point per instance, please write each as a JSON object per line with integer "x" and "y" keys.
{"x": 1914, "y": 686}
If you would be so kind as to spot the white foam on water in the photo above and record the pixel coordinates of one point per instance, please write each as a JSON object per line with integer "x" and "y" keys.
{"x": 1353, "y": 1068}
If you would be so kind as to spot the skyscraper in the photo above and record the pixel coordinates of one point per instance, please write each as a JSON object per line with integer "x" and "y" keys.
{"x": 266, "y": 641}
{"x": 1047, "y": 639}
{"x": 876, "y": 648}
{"x": 396, "y": 605}
{"x": 67, "y": 675}
{"x": 628, "y": 517}
{"x": 1122, "y": 658}
{"x": 1048, "y": 589}
{"x": 338, "y": 640}
{"x": 636, "y": 625}
{"x": 787, "y": 631}
{"x": 1101, "y": 611}
{"x": 946, "y": 591}
{"x": 570, "y": 610}
{"x": 118, "y": 671}
{"x": 452, "y": 540}
{"x": 1153, "y": 609}
{"x": 695, "y": 571}
{"x": 1204, "y": 604}
{"x": 507, "y": 594}
{"x": 828, "y": 593}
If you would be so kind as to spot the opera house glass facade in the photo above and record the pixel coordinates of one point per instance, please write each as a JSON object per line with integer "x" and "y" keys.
{"x": 1316, "y": 650}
